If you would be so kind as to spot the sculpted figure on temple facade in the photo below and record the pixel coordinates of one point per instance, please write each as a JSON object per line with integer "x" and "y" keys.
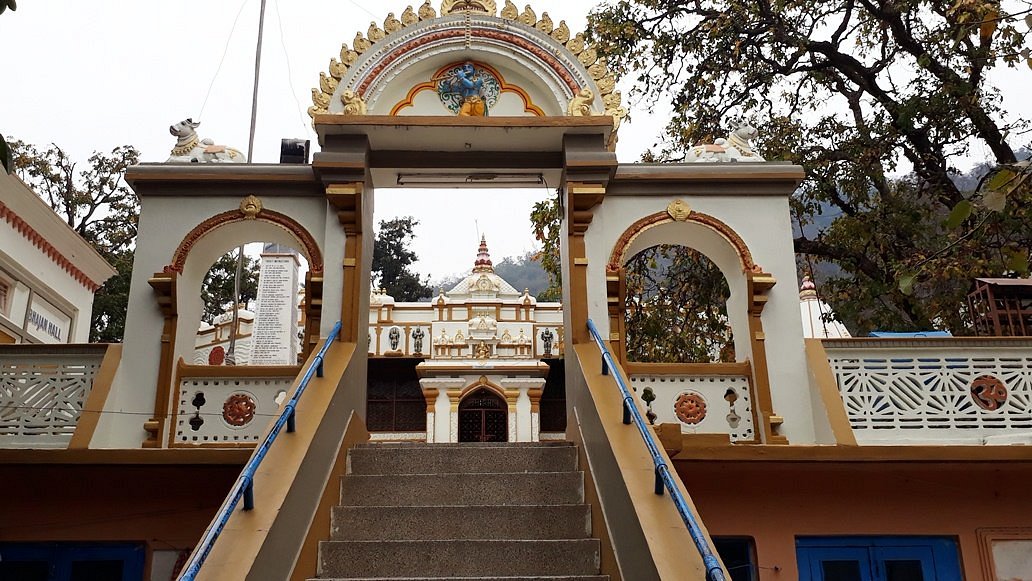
{"x": 192, "y": 149}
{"x": 483, "y": 351}
{"x": 417, "y": 340}
{"x": 735, "y": 147}
{"x": 547, "y": 337}
{"x": 394, "y": 336}
{"x": 465, "y": 82}
{"x": 353, "y": 104}
{"x": 582, "y": 105}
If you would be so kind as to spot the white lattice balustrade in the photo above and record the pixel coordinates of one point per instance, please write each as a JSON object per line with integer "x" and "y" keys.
{"x": 964, "y": 391}
{"x": 42, "y": 392}
{"x": 700, "y": 403}
{"x": 227, "y": 411}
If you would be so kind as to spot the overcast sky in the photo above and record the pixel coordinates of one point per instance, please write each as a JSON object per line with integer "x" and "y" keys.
{"x": 93, "y": 75}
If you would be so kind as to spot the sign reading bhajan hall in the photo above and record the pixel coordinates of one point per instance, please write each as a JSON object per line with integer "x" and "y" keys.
{"x": 45, "y": 322}
{"x": 274, "y": 340}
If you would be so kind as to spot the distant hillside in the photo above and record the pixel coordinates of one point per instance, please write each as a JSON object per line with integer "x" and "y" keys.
{"x": 519, "y": 271}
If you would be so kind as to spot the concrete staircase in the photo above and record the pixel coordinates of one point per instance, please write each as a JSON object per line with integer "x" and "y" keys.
{"x": 513, "y": 512}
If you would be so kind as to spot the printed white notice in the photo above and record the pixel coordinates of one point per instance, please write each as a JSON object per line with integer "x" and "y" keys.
{"x": 274, "y": 338}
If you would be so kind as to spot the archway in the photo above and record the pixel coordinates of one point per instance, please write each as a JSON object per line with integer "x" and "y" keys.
{"x": 724, "y": 252}
{"x": 675, "y": 309}
{"x": 217, "y": 236}
{"x": 483, "y": 417}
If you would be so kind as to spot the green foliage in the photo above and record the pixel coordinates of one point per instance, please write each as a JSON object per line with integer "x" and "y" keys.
{"x": 5, "y": 4}
{"x": 546, "y": 220}
{"x": 97, "y": 203}
{"x": 110, "y": 302}
{"x": 676, "y": 308}
{"x": 218, "y": 285}
{"x": 856, "y": 93}
{"x": 392, "y": 259}
{"x": 94, "y": 200}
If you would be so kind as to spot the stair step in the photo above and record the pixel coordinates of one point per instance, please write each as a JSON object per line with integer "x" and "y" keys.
{"x": 469, "y": 459}
{"x": 370, "y": 523}
{"x": 535, "y": 578}
{"x": 437, "y": 559}
{"x": 390, "y": 444}
{"x": 531, "y": 488}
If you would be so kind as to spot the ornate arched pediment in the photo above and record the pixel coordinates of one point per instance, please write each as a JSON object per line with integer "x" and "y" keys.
{"x": 546, "y": 69}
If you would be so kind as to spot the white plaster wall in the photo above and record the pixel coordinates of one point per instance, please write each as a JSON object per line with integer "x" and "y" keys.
{"x": 38, "y": 272}
{"x": 164, "y": 222}
{"x": 763, "y": 223}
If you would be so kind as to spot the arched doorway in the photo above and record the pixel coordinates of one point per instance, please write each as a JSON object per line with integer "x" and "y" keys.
{"x": 483, "y": 417}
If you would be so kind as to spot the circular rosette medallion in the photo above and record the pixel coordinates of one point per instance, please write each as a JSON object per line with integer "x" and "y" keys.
{"x": 217, "y": 356}
{"x": 988, "y": 392}
{"x": 690, "y": 407}
{"x": 238, "y": 410}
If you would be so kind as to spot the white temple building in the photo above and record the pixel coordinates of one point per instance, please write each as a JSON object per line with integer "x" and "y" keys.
{"x": 482, "y": 346}
{"x": 818, "y": 322}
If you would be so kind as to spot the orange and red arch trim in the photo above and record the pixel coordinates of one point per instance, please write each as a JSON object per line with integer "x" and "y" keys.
{"x": 311, "y": 248}
{"x": 528, "y": 104}
{"x": 617, "y": 258}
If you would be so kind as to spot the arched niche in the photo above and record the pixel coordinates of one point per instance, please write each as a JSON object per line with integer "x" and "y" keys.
{"x": 711, "y": 238}
{"x": 211, "y": 239}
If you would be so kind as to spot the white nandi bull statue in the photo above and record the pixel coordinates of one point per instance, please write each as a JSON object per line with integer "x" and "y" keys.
{"x": 735, "y": 148}
{"x": 192, "y": 149}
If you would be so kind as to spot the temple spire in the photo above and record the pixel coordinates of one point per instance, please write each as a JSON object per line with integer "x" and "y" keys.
{"x": 483, "y": 262}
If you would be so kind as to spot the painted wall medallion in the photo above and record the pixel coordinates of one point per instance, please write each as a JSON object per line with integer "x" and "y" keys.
{"x": 238, "y": 409}
{"x": 690, "y": 407}
{"x": 988, "y": 392}
{"x": 468, "y": 91}
{"x": 217, "y": 356}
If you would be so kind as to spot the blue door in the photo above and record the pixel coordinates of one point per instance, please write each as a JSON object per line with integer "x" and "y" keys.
{"x": 877, "y": 559}
{"x": 71, "y": 562}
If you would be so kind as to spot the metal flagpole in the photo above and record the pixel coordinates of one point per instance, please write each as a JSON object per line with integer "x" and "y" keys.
{"x": 231, "y": 355}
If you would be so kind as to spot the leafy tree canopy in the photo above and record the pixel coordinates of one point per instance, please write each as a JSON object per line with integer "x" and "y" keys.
{"x": 676, "y": 308}
{"x": 217, "y": 287}
{"x": 878, "y": 101}
{"x": 97, "y": 203}
{"x": 546, "y": 221}
{"x": 392, "y": 260}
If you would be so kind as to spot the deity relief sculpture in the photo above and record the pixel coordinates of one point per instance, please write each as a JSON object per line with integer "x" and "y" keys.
{"x": 353, "y": 103}
{"x": 582, "y": 104}
{"x": 736, "y": 147}
{"x": 547, "y": 336}
{"x": 394, "y": 337}
{"x": 468, "y": 91}
{"x": 483, "y": 351}
{"x": 192, "y": 149}
{"x": 417, "y": 340}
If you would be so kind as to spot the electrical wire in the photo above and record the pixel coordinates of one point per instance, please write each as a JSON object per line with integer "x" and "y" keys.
{"x": 225, "y": 51}
{"x": 290, "y": 75}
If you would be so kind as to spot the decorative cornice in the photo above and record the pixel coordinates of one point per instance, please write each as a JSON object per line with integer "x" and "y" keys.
{"x": 40, "y": 242}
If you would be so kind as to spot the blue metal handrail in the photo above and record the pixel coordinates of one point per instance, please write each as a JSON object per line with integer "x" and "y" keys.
{"x": 244, "y": 485}
{"x": 663, "y": 478}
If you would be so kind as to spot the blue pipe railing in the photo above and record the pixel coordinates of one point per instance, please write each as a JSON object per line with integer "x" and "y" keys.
{"x": 244, "y": 485}
{"x": 663, "y": 478}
